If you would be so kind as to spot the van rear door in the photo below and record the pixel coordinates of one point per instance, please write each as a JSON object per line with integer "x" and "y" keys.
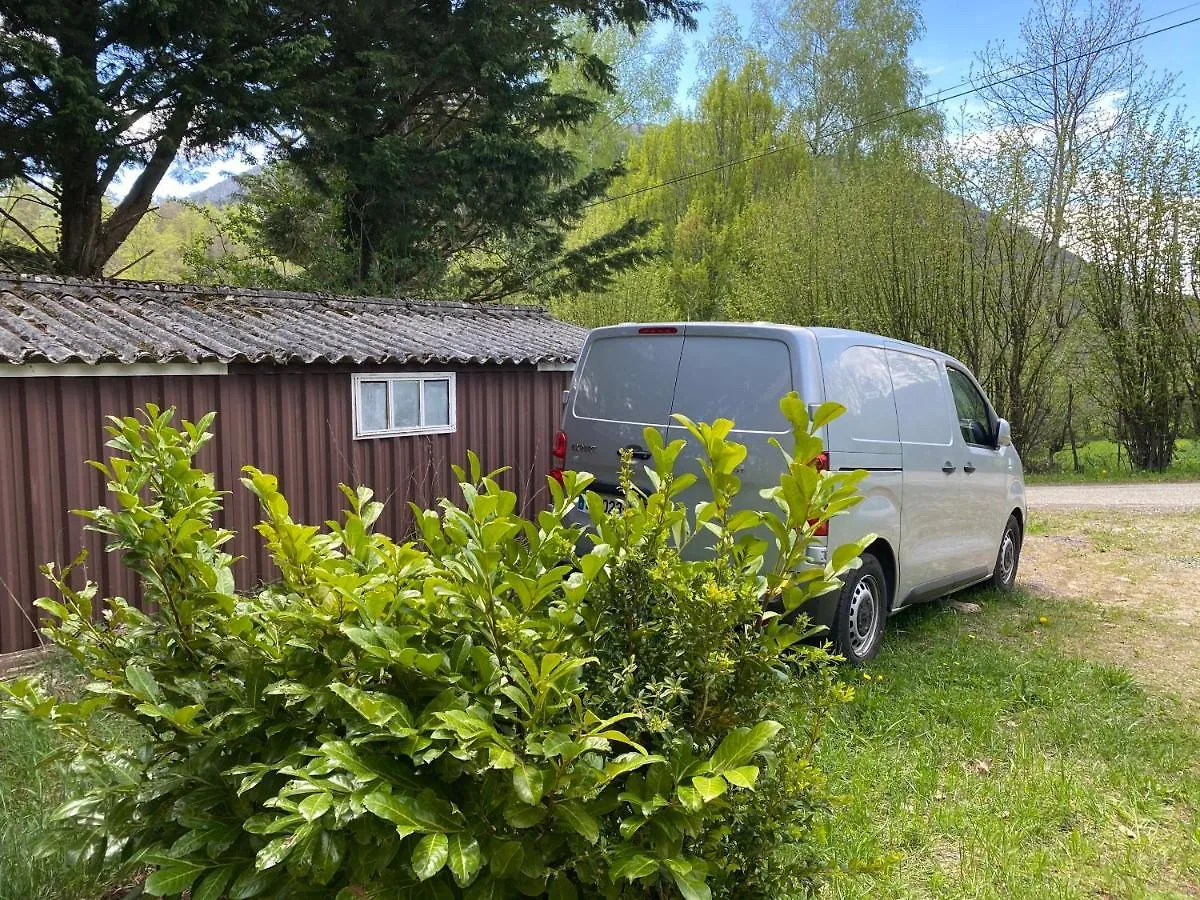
{"x": 736, "y": 372}
{"x": 624, "y": 382}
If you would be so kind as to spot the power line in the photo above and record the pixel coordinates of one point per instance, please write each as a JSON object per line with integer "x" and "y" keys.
{"x": 903, "y": 112}
{"x": 1015, "y": 66}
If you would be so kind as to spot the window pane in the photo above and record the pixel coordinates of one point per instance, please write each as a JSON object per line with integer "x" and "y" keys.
{"x": 406, "y": 404}
{"x": 973, "y": 418}
{"x": 920, "y": 399}
{"x": 859, "y": 379}
{"x": 372, "y": 406}
{"x": 733, "y": 378}
{"x": 437, "y": 403}
{"x": 629, "y": 379}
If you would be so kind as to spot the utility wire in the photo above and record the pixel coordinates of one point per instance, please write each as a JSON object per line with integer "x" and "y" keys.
{"x": 1170, "y": 12}
{"x": 770, "y": 151}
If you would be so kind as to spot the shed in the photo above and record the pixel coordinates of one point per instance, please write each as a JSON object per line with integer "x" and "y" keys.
{"x": 317, "y": 389}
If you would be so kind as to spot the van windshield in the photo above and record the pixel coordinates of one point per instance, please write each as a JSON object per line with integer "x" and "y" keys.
{"x": 629, "y": 379}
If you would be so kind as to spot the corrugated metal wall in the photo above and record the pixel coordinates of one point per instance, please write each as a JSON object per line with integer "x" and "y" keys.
{"x": 292, "y": 421}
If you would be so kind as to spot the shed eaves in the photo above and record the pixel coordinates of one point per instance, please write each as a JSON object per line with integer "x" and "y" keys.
{"x": 61, "y": 320}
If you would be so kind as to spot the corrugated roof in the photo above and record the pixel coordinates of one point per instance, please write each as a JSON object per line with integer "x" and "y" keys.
{"x": 61, "y": 320}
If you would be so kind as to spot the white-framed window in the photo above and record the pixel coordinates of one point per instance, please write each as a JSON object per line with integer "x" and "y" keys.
{"x": 400, "y": 403}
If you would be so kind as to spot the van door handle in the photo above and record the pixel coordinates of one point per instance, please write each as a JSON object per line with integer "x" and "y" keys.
{"x": 948, "y": 467}
{"x": 969, "y": 468}
{"x": 636, "y": 452}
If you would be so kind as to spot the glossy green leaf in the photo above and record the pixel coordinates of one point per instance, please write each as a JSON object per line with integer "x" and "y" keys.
{"x": 174, "y": 879}
{"x": 741, "y": 776}
{"x": 740, "y": 745}
{"x": 430, "y": 855}
{"x": 464, "y": 858}
{"x": 411, "y": 815}
{"x": 579, "y": 820}
{"x": 141, "y": 682}
{"x": 315, "y": 806}
{"x": 212, "y": 885}
{"x": 631, "y": 866}
{"x": 709, "y": 789}
{"x": 529, "y": 782}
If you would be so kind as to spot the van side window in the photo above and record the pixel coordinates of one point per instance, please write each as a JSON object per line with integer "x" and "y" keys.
{"x": 974, "y": 420}
{"x": 858, "y": 378}
{"x": 921, "y": 402}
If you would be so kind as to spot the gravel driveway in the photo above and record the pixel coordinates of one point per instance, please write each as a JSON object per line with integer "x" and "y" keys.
{"x": 1156, "y": 496}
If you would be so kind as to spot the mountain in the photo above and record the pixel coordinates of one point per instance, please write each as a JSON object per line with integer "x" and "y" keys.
{"x": 224, "y": 191}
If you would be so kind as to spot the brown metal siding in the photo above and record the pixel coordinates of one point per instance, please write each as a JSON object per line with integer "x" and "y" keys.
{"x": 292, "y": 421}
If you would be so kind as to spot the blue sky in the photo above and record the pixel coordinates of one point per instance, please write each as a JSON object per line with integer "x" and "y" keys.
{"x": 955, "y": 31}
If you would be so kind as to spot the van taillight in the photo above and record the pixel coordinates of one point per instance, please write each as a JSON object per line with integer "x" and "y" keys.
{"x": 658, "y": 329}
{"x": 560, "y": 456}
{"x": 821, "y": 464}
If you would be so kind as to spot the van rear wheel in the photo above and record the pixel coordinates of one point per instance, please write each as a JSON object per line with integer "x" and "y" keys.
{"x": 861, "y": 613}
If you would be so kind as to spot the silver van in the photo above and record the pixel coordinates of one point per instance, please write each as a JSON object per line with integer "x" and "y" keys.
{"x": 945, "y": 493}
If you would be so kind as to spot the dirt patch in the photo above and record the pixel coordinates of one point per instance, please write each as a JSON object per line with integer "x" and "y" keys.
{"x": 1142, "y": 571}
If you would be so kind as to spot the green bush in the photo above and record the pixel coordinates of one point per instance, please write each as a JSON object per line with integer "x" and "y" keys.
{"x": 483, "y": 711}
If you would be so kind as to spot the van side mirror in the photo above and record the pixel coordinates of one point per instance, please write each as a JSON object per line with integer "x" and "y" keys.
{"x": 1003, "y": 434}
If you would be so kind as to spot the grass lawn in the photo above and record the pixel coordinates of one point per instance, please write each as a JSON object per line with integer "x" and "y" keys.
{"x": 1098, "y": 460}
{"x": 998, "y": 763}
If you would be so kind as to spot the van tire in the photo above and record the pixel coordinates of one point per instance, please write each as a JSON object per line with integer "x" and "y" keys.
{"x": 1008, "y": 557}
{"x": 861, "y": 613}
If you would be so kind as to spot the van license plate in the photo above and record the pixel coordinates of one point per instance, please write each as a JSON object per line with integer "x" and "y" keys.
{"x": 611, "y": 504}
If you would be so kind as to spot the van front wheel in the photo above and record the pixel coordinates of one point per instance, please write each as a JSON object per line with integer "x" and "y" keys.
{"x": 862, "y": 610}
{"x": 1004, "y": 576}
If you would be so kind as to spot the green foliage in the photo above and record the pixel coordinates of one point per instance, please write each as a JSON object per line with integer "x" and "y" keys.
{"x": 431, "y": 137}
{"x": 704, "y": 649}
{"x": 1106, "y": 460}
{"x": 842, "y": 63}
{"x": 35, "y": 780}
{"x": 95, "y": 86}
{"x": 1143, "y": 236}
{"x": 458, "y": 715}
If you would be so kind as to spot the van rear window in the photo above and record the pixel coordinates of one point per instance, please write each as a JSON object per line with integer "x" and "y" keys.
{"x": 734, "y": 378}
{"x": 628, "y": 379}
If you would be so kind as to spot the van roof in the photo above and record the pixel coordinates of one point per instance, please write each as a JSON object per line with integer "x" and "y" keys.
{"x": 820, "y": 332}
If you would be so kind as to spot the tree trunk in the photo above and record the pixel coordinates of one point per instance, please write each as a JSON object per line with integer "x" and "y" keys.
{"x": 78, "y": 152}
{"x": 80, "y": 251}
{"x": 358, "y": 233}
{"x": 1150, "y": 438}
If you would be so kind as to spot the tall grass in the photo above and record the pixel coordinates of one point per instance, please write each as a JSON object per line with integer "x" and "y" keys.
{"x": 33, "y": 784}
{"x": 1100, "y": 461}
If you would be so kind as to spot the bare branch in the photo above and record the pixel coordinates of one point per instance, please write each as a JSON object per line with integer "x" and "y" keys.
{"x": 28, "y": 233}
